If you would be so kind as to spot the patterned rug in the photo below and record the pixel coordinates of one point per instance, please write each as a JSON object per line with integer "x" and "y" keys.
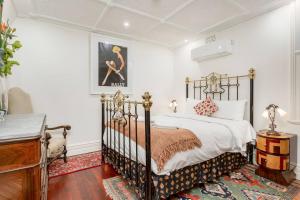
{"x": 241, "y": 184}
{"x": 74, "y": 164}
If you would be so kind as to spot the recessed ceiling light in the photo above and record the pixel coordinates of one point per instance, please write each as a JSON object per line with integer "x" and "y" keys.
{"x": 126, "y": 24}
{"x": 186, "y": 40}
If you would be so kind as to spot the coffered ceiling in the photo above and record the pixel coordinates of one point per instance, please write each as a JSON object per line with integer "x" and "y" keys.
{"x": 166, "y": 22}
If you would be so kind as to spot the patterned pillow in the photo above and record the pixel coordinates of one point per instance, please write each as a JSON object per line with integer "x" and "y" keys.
{"x": 206, "y": 107}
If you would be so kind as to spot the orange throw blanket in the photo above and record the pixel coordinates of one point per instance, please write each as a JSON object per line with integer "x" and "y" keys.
{"x": 165, "y": 142}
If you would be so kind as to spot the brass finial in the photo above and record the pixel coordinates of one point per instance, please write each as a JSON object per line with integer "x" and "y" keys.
{"x": 103, "y": 97}
{"x": 147, "y": 103}
{"x": 187, "y": 80}
{"x": 251, "y": 73}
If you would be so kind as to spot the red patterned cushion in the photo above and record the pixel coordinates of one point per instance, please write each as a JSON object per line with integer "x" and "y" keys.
{"x": 206, "y": 107}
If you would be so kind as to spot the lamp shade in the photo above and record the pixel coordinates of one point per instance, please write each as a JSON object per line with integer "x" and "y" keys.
{"x": 281, "y": 112}
{"x": 265, "y": 114}
{"x": 270, "y": 113}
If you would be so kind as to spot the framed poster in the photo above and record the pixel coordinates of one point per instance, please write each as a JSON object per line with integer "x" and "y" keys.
{"x": 110, "y": 66}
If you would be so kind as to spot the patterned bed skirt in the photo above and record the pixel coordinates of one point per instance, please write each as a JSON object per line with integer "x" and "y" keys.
{"x": 179, "y": 180}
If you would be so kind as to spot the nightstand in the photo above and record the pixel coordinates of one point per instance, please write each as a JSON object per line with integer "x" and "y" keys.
{"x": 274, "y": 155}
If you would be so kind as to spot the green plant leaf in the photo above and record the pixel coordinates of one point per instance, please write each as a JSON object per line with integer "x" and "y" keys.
{"x": 17, "y": 44}
{"x": 13, "y": 62}
{"x": 10, "y": 47}
{"x": 9, "y": 52}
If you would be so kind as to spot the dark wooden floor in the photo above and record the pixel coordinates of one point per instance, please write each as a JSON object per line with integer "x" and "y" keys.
{"x": 86, "y": 184}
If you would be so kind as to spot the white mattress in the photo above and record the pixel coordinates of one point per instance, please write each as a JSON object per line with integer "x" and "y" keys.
{"x": 217, "y": 136}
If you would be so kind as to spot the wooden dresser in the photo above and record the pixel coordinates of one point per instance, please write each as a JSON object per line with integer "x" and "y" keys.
{"x": 23, "y": 160}
{"x": 274, "y": 156}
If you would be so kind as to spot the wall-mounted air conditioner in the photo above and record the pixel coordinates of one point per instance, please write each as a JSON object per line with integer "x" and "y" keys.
{"x": 212, "y": 50}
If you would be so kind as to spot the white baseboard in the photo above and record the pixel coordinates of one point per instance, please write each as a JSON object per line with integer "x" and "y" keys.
{"x": 296, "y": 170}
{"x": 85, "y": 147}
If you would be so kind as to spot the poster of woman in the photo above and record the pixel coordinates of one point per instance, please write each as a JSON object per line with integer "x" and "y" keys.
{"x": 112, "y": 65}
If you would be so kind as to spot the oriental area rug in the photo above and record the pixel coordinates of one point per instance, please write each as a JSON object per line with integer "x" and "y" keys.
{"x": 239, "y": 185}
{"x": 74, "y": 164}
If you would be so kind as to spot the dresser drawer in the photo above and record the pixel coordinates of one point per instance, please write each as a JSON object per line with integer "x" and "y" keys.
{"x": 273, "y": 145}
{"x": 19, "y": 154}
{"x": 272, "y": 161}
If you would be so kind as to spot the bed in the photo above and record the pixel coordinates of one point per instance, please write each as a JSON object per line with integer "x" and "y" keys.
{"x": 225, "y": 143}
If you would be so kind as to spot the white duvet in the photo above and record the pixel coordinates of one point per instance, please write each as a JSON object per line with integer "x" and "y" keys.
{"x": 217, "y": 136}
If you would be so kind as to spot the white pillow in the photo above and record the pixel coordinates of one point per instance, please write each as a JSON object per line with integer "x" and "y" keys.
{"x": 230, "y": 109}
{"x": 190, "y": 104}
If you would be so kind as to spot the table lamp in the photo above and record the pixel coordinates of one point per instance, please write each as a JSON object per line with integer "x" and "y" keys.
{"x": 270, "y": 112}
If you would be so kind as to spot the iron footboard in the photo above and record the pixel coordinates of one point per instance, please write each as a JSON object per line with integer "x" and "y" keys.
{"x": 117, "y": 114}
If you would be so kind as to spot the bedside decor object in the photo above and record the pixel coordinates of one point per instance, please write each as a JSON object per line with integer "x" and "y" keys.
{"x": 270, "y": 113}
{"x": 274, "y": 155}
{"x": 8, "y": 46}
{"x": 173, "y": 105}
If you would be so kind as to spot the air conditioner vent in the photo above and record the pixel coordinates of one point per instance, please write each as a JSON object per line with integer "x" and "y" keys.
{"x": 212, "y": 50}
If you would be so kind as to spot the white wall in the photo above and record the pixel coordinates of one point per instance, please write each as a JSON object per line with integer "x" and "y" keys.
{"x": 297, "y": 25}
{"x": 55, "y": 71}
{"x": 263, "y": 43}
{"x": 9, "y": 12}
{"x": 295, "y": 72}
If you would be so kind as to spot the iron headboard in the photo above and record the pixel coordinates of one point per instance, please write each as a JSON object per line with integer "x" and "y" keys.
{"x": 217, "y": 85}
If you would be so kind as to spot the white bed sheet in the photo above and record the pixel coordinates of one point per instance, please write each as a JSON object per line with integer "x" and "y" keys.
{"x": 217, "y": 136}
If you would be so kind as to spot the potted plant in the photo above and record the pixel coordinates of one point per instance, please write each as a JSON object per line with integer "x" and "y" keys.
{"x": 8, "y": 46}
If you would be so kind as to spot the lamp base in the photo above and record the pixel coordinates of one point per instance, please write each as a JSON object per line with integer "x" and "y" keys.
{"x": 273, "y": 132}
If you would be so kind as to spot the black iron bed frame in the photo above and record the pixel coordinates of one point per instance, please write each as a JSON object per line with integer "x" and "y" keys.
{"x": 117, "y": 112}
